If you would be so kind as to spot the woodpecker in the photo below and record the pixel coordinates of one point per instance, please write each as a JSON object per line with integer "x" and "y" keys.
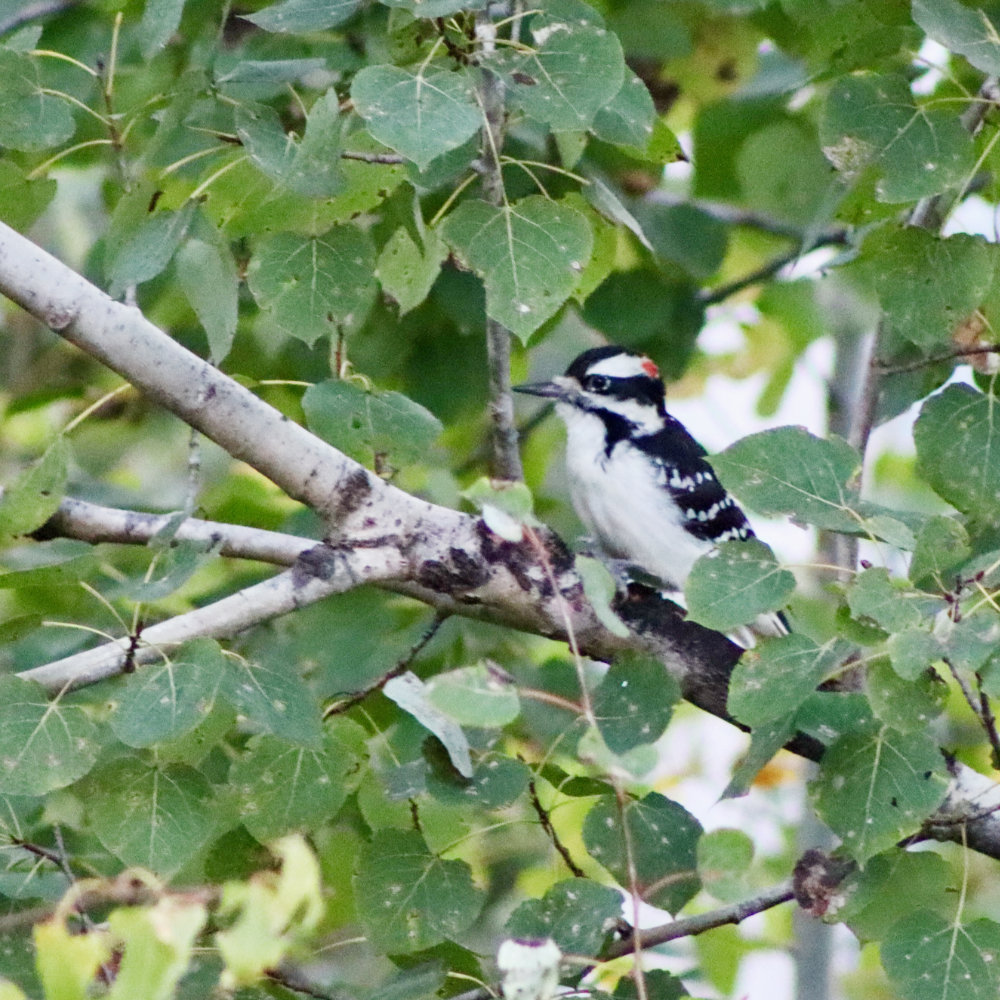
{"x": 639, "y": 481}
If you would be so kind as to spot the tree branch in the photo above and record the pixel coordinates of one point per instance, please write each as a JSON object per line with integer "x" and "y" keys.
{"x": 506, "y": 460}
{"x": 689, "y": 926}
{"x": 448, "y": 560}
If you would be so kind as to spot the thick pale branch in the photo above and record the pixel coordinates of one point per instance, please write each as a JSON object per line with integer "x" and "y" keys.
{"x": 447, "y": 559}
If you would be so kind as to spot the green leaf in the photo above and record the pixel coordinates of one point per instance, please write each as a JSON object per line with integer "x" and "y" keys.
{"x": 873, "y": 596}
{"x": 173, "y": 564}
{"x": 877, "y": 787}
{"x": 943, "y": 544}
{"x": 912, "y": 652}
{"x": 157, "y": 943}
{"x": 906, "y": 705}
{"x": 628, "y": 118}
{"x": 29, "y": 118}
{"x": 275, "y": 699}
{"x": 576, "y": 913}
{"x": 420, "y": 115}
{"x": 765, "y": 741}
{"x": 600, "y": 588}
{"x": 28, "y": 502}
{"x": 929, "y": 957}
{"x": 148, "y": 249}
{"x": 474, "y": 696}
{"x": 283, "y": 788}
{"x": 294, "y": 16}
{"x": 772, "y": 680}
{"x": 411, "y": 694}
{"x": 922, "y": 311}
{"x": 634, "y": 702}
{"x": 153, "y": 817}
{"x": 663, "y": 836}
{"x": 207, "y": 275}
{"x": 724, "y": 859}
{"x": 408, "y": 899}
{"x": 969, "y": 31}
{"x": 167, "y": 699}
{"x": 575, "y": 71}
{"x": 407, "y": 269}
{"x": 955, "y": 430}
{"x": 789, "y": 471}
{"x": 363, "y": 423}
{"x": 871, "y": 120}
{"x": 734, "y": 583}
{"x": 23, "y": 198}
{"x": 43, "y": 744}
{"x": 310, "y": 167}
{"x": 529, "y": 254}
{"x": 884, "y": 890}
{"x": 311, "y": 286}
{"x": 160, "y": 19}
{"x": 497, "y": 781}
{"x": 67, "y": 962}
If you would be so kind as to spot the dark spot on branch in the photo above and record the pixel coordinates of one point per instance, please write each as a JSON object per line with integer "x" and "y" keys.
{"x": 351, "y": 495}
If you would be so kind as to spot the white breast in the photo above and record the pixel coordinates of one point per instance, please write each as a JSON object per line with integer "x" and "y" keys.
{"x": 623, "y": 503}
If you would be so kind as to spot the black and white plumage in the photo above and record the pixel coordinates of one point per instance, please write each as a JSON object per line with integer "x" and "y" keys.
{"x": 639, "y": 481}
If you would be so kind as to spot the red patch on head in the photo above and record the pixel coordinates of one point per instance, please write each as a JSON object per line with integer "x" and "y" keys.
{"x": 649, "y": 368}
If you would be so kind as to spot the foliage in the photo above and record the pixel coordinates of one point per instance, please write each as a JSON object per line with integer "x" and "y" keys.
{"x": 331, "y": 201}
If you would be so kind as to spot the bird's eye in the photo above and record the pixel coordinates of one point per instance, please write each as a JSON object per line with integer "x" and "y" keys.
{"x": 597, "y": 383}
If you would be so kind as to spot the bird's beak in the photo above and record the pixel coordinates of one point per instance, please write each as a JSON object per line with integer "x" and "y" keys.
{"x": 558, "y": 388}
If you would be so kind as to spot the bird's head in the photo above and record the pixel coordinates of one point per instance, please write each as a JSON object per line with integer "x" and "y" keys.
{"x": 607, "y": 380}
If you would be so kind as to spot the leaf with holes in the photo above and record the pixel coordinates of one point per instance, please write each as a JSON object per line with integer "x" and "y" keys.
{"x": 313, "y": 286}
{"x": 879, "y": 786}
{"x": 575, "y": 70}
{"x": 634, "y": 702}
{"x": 927, "y": 285}
{"x": 789, "y": 471}
{"x": 957, "y": 430}
{"x": 275, "y": 699}
{"x": 310, "y": 167}
{"x": 154, "y": 817}
{"x": 165, "y": 700}
{"x": 770, "y": 681}
{"x": 363, "y": 422}
{"x": 529, "y": 254}
{"x": 282, "y": 787}
{"x": 420, "y": 115}
{"x": 629, "y": 117}
{"x": 576, "y": 913}
{"x": 929, "y": 957}
{"x": 870, "y": 120}
{"x": 43, "y": 744}
{"x": 734, "y": 583}
{"x": 407, "y": 269}
{"x": 663, "y": 837}
{"x": 409, "y": 899}
{"x": 877, "y": 599}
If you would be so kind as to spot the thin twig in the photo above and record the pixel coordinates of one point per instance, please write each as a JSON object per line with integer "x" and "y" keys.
{"x": 550, "y": 831}
{"x": 688, "y": 927}
{"x": 712, "y": 296}
{"x": 343, "y": 704}
{"x": 989, "y": 721}
{"x": 506, "y": 456}
{"x": 885, "y": 368}
{"x": 390, "y": 159}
